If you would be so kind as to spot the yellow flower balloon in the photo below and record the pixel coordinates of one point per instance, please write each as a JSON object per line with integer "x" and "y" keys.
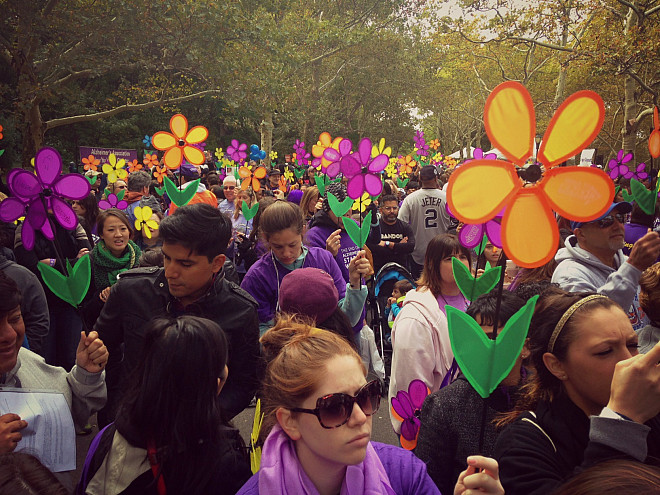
{"x": 143, "y": 221}
{"x": 361, "y": 204}
{"x": 380, "y": 149}
{"x": 115, "y": 169}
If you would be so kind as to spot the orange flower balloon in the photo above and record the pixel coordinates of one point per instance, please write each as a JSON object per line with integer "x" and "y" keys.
{"x": 251, "y": 178}
{"x": 407, "y": 164}
{"x": 177, "y": 144}
{"x": 654, "y": 138}
{"x": 480, "y": 189}
{"x": 160, "y": 173}
{"x": 91, "y": 163}
{"x": 134, "y": 166}
{"x": 150, "y": 160}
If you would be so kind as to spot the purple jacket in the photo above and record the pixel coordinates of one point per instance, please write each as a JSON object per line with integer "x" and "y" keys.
{"x": 321, "y": 228}
{"x": 263, "y": 279}
{"x": 407, "y": 473}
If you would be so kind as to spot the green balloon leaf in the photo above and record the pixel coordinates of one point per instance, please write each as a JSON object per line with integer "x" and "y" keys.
{"x": 483, "y": 361}
{"x": 107, "y": 192}
{"x": 627, "y": 196}
{"x": 337, "y": 207}
{"x": 298, "y": 172}
{"x": 471, "y": 287}
{"x": 121, "y": 194}
{"x": 237, "y": 176}
{"x": 249, "y": 213}
{"x": 178, "y": 197}
{"x": 320, "y": 183}
{"x": 2, "y": 152}
{"x": 73, "y": 288}
{"x": 91, "y": 180}
{"x": 482, "y": 245}
{"x": 402, "y": 183}
{"x": 357, "y": 233}
{"x": 160, "y": 190}
{"x": 643, "y": 197}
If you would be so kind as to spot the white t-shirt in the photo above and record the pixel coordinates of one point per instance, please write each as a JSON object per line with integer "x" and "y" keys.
{"x": 424, "y": 210}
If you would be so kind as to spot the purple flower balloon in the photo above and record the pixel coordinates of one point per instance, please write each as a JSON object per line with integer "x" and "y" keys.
{"x": 470, "y": 235}
{"x": 617, "y": 165}
{"x": 113, "y": 202}
{"x": 237, "y": 151}
{"x": 301, "y": 155}
{"x": 408, "y": 405}
{"x": 640, "y": 173}
{"x": 362, "y": 171}
{"x": 478, "y": 154}
{"x": 336, "y": 157}
{"x": 35, "y": 196}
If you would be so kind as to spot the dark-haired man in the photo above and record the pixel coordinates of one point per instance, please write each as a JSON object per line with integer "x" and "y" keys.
{"x": 397, "y": 239}
{"x": 192, "y": 282}
{"x": 424, "y": 210}
{"x": 593, "y": 261}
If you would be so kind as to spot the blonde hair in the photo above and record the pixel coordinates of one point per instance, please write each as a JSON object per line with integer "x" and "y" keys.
{"x": 238, "y": 206}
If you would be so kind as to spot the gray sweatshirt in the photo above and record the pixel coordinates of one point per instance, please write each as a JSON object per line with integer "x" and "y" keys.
{"x": 580, "y": 271}
{"x": 85, "y": 392}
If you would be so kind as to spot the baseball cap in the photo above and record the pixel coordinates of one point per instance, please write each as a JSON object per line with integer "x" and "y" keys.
{"x": 621, "y": 207}
{"x": 428, "y": 172}
{"x": 274, "y": 171}
{"x": 92, "y": 173}
{"x": 309, "y": 292}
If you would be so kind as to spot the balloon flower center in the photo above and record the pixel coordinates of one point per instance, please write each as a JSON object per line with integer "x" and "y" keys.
{"x": 47, "y": 192}
{"x": 181, "y": 142}
{"x": 531, "y": 174}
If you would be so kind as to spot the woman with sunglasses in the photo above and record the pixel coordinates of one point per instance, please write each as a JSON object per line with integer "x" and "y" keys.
{"x": 593, "y": 260}
{"x": 318, "y": 408}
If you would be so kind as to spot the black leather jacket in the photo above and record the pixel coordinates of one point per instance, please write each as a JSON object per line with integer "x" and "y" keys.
{"x": 142, "y": 294}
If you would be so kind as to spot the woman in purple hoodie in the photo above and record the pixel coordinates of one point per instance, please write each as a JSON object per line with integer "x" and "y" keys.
{"x": 281, "y": 227}
{"x": 319, "y": 441}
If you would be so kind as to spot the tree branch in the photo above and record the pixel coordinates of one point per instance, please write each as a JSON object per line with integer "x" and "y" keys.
{"x": 76, "y": 119}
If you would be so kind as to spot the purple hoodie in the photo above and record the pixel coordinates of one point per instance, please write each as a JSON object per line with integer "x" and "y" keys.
{"x": 321, "y": 228}
{"x": 263, "y": 279}
{"x": 406, "y": 472}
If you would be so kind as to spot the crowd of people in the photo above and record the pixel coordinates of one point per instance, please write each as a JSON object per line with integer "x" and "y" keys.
{"x": 197, "y": 311}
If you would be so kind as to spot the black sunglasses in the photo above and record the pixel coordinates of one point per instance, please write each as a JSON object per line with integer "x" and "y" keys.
{"x": 334, "y": 410}
{"x": 228, "y": 188}
{"x": 608, "y": 221}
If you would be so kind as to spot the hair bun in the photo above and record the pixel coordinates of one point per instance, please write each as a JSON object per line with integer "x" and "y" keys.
{"x": 289, "y": 329}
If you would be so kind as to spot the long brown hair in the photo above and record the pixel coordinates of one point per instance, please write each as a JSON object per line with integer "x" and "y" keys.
{"x": 296, "y": 354}
{"x": 618, "y": 477}
{"x": 307, "y": 198}
{"x": 279, "y": 216}
{"x": 551, "y": 306}
{"x": 441, "y": 246}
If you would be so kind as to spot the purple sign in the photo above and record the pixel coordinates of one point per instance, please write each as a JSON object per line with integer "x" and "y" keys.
{"x": 103, "y": 153}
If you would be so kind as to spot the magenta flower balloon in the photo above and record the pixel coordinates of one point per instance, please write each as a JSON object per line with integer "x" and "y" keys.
{"x": 113, "y": 202}
{"x": 640, "y": 173}
{"x": 363, "y": 171}
{"x": 337, "y": 157}
{"x": 618, "y": 165}
{"x": 237, "y": 151}
{"x": 478, "y": 154}
{"x": 47, "y": 191}
{"x": 470, "y": 235}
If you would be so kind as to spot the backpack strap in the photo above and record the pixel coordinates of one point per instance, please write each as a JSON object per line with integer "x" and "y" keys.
{"x": 450, "y": 376}
{"x": 155, "y": 467}
{"x": 84, "y": 478}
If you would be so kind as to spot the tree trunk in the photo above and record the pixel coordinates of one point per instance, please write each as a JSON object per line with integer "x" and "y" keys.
{"x": 629, "y": 129}
{"x": 563, "y": 70}
{"x": 267, "y": 127}
{"x": 33, "y": 134}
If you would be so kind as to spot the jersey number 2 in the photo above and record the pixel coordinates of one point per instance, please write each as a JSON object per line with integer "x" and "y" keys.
{"x": 431, "y": 218}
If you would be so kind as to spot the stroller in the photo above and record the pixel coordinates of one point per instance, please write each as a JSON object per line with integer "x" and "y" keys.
{"x": 379, "y": 292}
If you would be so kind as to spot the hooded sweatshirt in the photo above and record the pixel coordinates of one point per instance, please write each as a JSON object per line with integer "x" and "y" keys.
{"x": 420, "y": 344}
{"x": 580, "y": 271}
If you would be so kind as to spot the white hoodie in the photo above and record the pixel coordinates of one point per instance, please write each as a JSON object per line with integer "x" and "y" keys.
{"x": 421, "y": 346}
{"x": 580, "y": 271}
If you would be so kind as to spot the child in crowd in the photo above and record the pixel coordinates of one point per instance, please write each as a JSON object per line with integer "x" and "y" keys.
{"x": 394, "y": 303}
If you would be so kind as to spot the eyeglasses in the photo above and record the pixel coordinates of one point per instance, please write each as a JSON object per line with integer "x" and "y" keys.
{"x": 230, "y": 188}
{"x": 334, "y": 410}
{"x": 607, "y": 221}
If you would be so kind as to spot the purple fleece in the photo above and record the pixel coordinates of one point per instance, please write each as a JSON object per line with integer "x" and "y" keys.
{"x": 263, "y": 283}
{"x": 407, "y": 473}
{"x": 317, "y": 235}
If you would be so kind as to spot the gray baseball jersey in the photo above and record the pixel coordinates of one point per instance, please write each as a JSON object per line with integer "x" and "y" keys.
{"x": 424, "y": 210}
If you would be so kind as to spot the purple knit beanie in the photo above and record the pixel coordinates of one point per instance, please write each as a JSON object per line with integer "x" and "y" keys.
{"x": 309, "y": 292}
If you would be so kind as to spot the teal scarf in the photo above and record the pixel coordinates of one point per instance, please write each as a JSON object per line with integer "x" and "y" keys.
{"x": 107, "y": 267}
